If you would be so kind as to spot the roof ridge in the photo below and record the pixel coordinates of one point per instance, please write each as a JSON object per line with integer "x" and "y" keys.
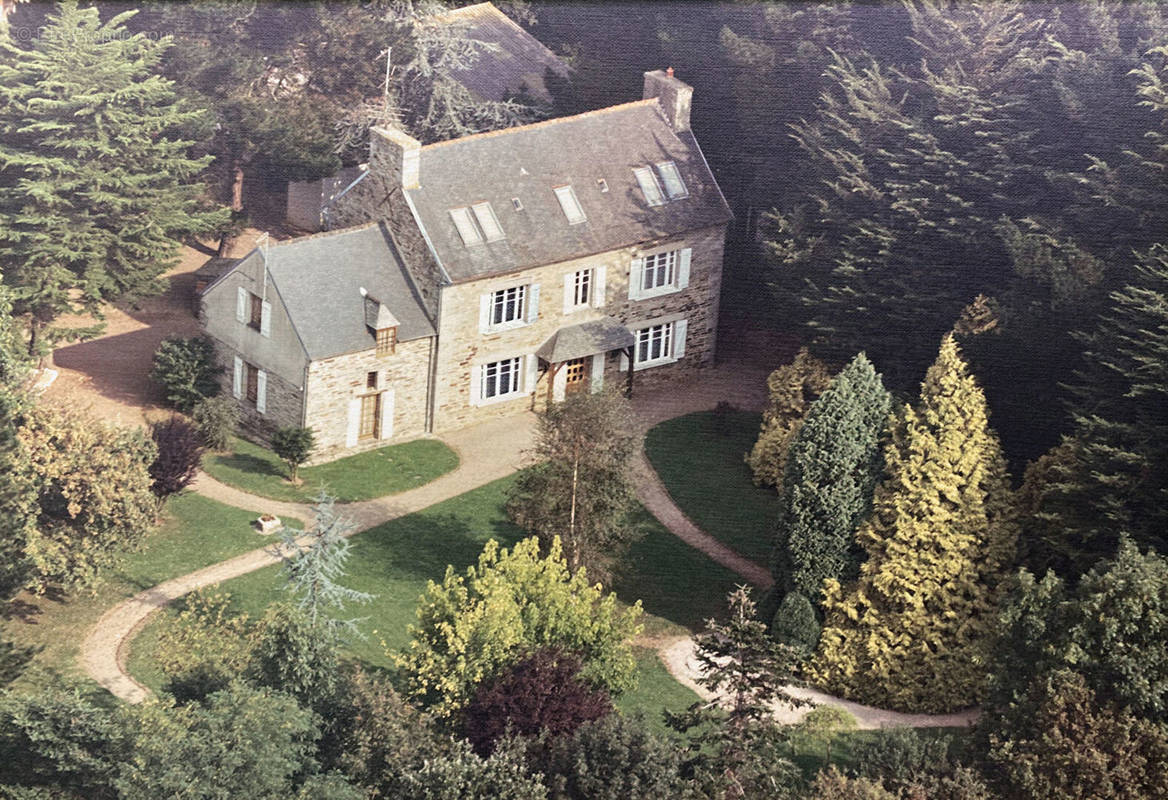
{"x": 545, "y": 123}
{"x": 321, "y": 235}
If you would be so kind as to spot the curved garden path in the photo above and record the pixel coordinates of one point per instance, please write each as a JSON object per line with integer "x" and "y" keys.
{"x": 486, "y": 452}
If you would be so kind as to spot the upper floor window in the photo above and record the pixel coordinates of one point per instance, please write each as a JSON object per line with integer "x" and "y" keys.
{"x": 659, "y": 273}
{"x": 507, "y": 305}
{"x": 581, "y": 288}
{"x": 570, "y": 204}
{"x": 257, "y": 311}
{"x": 386, "y": 341}
{"x": 674, "y": 185}
{"x": 650, "y": 179}
{"x": 649, "y": 186}
{"x": 508, "y": 308}
{"x": 253, "y": 311}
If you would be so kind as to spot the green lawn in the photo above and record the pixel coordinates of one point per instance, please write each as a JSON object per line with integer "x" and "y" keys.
{"x": 708, "y": 479}
{"x": 197, "y": 533}
{"x": 395, "y": 560}
{"x": 387, "y": 470}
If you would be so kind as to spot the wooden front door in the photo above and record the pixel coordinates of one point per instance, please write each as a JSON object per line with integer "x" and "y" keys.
{"x": 576, "y": 375}
{"x": 370, "y": 417}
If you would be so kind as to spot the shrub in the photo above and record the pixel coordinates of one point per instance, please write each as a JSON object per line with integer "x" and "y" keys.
{"x": 180, "y": 453}
{"x": 216, "y": 419}
{"x": 186, "y": 370}
{"x": 795, "y": 624}
{"x": 205, "y": 646}
{"x": 542, "y": 693}
{"x": 821, "y": 725}
{"x": 293, "y": 445}
{"x": 792, "y": 387}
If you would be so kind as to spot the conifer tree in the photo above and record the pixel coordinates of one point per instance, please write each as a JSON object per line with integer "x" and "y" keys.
{"x": 912, "y": 632}
{"x": 791, "y": 389}
{"x": 94, "y": 187}
{"x": 830, "y": 475}
{"x": 1112, "y": 474}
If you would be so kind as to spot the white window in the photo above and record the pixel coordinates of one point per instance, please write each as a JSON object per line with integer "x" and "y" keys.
{"x": 674, "y": 185}
{"x": 466, "y": 227}
{"x": 488, "y": 222}
{"x": 500, "y": 378}
{"x": 581, "y": 283}
{"x": 649, "y": 186}
{"x": 662, "y": 343}
{"x": 659, "y": 271}
{"x": 570, "y": 205}
{"x": 507, "y": 305}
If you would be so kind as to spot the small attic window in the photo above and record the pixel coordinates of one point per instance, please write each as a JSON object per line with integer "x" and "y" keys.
{"x": 386, "y": 341}
{"x": 602, "y": 184}
{"x": 674, "y": 185}
{"x": 488, "y": 222}
{"x": 466, "y": 227}
{"x": 649, "y": 186}
{"x": 570, "y": 205}
{"x": 515, "y": 201}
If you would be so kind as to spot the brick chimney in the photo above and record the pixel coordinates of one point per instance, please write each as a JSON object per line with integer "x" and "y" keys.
{"x": 396, "y": 155}
{"x": 674, "y": 96}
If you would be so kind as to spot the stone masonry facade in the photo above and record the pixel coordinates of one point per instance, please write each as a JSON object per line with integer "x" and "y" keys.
{"x": 402, "y": 377}
{"x": 462, "y": 347}
{"x": 284, "y": 401}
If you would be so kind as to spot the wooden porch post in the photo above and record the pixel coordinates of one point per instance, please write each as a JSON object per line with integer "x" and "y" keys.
{"x": 552, "y": 370}
{"x": 629, "y": 382}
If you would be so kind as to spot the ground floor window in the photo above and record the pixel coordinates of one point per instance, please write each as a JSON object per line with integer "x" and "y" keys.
{"x": 655, "y": 343}
{"x": 500, "y": 378}
{"x": 370, "y": 417}
{"x": 253, "y": 383}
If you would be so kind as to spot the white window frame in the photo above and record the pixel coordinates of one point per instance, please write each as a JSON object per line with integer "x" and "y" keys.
{"x": 663, "y": 265}
{"x": 498, "y": 307}
{"x": 488, "y": 222}
{"x": 650, "y": 187}
{"x": 677, "y": 273}
{"x": 570, "y": 204}
{"x": 515, "y": 377}
{"x": 582, "y": 281}
{"x": 675, "y": 188}
{"x": 671, "y": 338}
{"x": 464, "y": 224}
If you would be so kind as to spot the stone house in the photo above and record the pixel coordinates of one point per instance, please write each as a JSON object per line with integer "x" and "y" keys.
{"x": 520, "y": 265}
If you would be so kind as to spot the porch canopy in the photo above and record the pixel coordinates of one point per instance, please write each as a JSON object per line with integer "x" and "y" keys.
{"x": 586, "y": 339}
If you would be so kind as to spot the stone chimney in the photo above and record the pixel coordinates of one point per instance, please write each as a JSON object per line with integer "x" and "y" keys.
{"x": 396, "y": 155}
{"x": 674, "y": 96}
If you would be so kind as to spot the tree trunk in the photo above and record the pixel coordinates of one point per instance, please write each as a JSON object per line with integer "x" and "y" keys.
{"x": 33, "y": 331}
{"x": 226, "y": 240}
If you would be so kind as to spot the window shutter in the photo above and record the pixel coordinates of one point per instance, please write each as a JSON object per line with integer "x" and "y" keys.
{"x": 476, "y": 383}
{"x": 237, "y": 378}
{"x": 532, "y": 363}
{"x": 386, "y": 422}
{"x": 354, "y": 423}
{"x": 597, "y": 372}
{"x": 241, "y": 304}
{"x": 569, "y": 291}
{"x": 683, "y": 273}
{"x": 532, "y": 303}
{"x": 636, "y": 273}
{"x": 679, "y": 329}
{"x": 484, "y": 313}
{"x": 261, "y": 391}
{"x": 598, "y": 286}
{"x": 266, "y": 318}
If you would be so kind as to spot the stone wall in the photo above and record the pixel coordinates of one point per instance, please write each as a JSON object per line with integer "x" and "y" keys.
{"x": 284, "y": 406}
{"x": 462, "y": 347}
{"x": 333, "y": 383}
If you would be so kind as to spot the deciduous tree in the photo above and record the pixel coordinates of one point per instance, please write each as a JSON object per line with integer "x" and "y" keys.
{"x": 294, "y": 445}
{"x": 913, "y": 632}
{"x": 180, "y": 454}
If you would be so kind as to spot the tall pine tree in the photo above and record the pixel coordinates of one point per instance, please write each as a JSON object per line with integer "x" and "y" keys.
{"x": 912, "y": 633}
{"x": 830, "y": 475}
{"x": 94, "y": 190}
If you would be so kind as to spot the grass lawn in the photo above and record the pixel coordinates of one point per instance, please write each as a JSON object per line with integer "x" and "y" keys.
{"x": 387, "y": 470}
{"x": 197, "y": 533}
{"x": 395, "y": 560}
{"x": 709, "y": 480}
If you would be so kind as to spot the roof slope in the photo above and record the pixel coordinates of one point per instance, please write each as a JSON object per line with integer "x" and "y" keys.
{"x": 528, "y": 162}
{"x": 319, "y": 278}
{"x": 516, "y": 59}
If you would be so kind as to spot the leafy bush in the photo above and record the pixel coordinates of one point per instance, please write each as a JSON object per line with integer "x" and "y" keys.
{"x": 180, "y": 453}
{"x": 205, "y": 646}
{"x": 821, "y": 725}
{"x": 542, "y": 693}
{"x": 186, "y": 370}
{"x": 795, "y": 623}
{"x": 216, "y": 419}
{"x": 293, "y": 445}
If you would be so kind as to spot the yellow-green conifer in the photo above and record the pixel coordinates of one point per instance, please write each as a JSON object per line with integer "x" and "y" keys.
{"x": 911, "y": 633}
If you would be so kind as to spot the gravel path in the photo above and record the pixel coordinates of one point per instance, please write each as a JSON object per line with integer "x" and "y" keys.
{"x": 680, "y": 660}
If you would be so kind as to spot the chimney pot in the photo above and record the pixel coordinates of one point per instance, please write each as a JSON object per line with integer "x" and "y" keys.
{"x": 396, "y": 154}
{"x": 669, "y": 72}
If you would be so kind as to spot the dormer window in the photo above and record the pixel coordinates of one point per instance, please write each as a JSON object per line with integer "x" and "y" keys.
{"x": 570, "y": 205}
{"x": 602, "y": 184}
{"x": 674, "y": 185}
{"x": 477, "y": 224}
{"x": 386, "y": 341}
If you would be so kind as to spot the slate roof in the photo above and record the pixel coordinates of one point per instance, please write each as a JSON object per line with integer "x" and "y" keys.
{"x": 585, "y": 339}
{"x": 528, "y": 162}
{"x": 319, "y": 278}
{"x": 517, "y": 58}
